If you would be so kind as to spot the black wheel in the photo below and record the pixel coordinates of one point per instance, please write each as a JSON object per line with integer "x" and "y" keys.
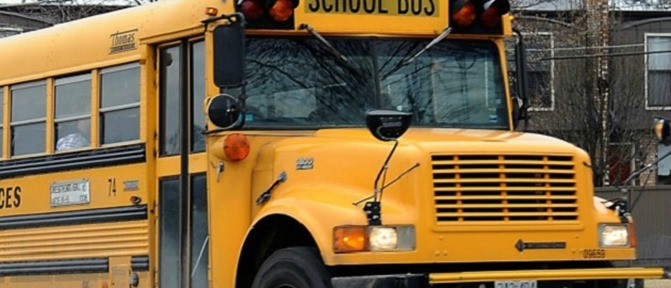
{"x": 293, "y": 267}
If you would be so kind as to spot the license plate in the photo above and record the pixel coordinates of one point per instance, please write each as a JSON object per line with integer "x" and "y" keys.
{"x": 75, "y": 192}
{"x": 516, "y": 284}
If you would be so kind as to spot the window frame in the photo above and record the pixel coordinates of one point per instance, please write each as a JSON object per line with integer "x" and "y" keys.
{"x": 115, "y": 108}
{"x": 631, "y": 148}
{"x": 660, "y": 151}
{"x": 70, "y": 79}
{"x": 164, "y": 94}
{"x": 551, "y": 89}
{"x": 646, "y": 36}
{"x": 44, "y": 119}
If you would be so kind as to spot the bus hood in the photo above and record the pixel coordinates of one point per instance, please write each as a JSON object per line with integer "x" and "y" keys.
{"x": 466, "y": 140}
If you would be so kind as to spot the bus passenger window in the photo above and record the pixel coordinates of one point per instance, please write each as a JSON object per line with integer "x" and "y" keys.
{"x": 72, "y": 112}
{"x": 28, "y": 118}
{"x": 120, "y": 104}
{"x": 198, "y": 96}
{"x": 169, "y": 100}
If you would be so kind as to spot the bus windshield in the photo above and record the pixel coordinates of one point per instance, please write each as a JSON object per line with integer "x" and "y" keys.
{"x": 299, "y": 82}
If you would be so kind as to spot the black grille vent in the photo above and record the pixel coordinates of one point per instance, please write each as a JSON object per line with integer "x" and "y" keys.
{"x": 504, "y": 188}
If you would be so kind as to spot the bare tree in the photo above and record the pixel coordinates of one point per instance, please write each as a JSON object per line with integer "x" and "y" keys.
{"x": 59, "y": 11}
{"x": 600, "y": 112}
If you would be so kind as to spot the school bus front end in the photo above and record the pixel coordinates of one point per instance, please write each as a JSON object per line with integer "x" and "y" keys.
{"x": 458, "y": 213}
{"x": 374, "y": 148}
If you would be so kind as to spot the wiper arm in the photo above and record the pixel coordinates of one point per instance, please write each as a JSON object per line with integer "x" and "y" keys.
{"x": 323, "y": 40}
{"x": 433, "y": 42}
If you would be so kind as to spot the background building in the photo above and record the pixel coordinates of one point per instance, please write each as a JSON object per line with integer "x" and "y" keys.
{"x": 598, "y": 73}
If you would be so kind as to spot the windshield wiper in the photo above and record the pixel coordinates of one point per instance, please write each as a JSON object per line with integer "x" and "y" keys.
{"x": 433, "y": 42}
{"x": 331, "y": 49}
{"x": 323, "y": 40}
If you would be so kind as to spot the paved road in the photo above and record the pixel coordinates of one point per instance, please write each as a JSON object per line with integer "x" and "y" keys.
{"x": 658, "y": 284}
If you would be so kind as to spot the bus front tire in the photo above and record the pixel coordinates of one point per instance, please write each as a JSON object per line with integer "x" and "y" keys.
{"x": 297, "y": 267}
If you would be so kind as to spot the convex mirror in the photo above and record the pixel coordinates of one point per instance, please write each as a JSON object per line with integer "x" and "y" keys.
{"x": 388, "y": 125}
{"x": 224, "y": 111}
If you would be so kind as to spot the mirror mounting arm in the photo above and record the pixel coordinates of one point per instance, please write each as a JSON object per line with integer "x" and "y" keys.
{"x": 235, "y": 17}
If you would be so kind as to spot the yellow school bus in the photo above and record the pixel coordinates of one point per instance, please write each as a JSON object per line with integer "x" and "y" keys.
{"x": 287, "y": 143}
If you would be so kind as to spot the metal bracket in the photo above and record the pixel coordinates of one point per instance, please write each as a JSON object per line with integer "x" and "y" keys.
{"x": 266, "y": 194}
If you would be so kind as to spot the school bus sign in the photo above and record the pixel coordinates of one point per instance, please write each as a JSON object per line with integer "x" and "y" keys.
{"x": 416, "y": 8}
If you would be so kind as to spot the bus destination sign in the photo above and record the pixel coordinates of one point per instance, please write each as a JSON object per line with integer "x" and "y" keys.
{"x": 68, "y": 193}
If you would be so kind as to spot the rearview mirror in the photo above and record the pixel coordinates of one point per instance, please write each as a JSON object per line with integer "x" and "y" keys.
{"x": 229, "y": 54}
{"x": 663, "y": 131}
{"x": 224, "y": 111}
{"x": 388, "y": 125}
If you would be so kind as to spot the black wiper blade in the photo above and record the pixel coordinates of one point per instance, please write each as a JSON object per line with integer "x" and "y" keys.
{"x": 323, "y": 40}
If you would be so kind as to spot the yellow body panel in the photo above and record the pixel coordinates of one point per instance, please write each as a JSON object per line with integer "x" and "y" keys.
{"x": 318, "y": 199}
{"x": 85, "y": 241}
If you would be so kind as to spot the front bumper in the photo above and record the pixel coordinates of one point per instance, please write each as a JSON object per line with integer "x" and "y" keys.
{"x": 489, "y": 277}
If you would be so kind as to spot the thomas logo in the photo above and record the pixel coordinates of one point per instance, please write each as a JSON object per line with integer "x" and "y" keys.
{"x": 123, "y": 41}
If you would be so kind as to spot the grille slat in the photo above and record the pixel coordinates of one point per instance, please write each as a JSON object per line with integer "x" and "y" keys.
{"x": 510, "y": 198}
{"x": 510, "y": 206}
{"x": 475, "y": 179}
{"x": 504, "y": 188}
{"x": 498, "y": 170}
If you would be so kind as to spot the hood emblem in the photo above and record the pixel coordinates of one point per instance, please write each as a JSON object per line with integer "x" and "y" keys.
{"x": 305, "y": 163}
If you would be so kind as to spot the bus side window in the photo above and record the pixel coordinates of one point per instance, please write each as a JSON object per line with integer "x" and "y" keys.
{"x": 72, "y": 112}
{"x": 28, "y": 118}
{"x": 120, "y": 104}
{"x": 198, "y": 96}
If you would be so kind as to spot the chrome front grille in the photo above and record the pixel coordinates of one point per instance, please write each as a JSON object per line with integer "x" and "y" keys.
{"x": 504, "y": 188}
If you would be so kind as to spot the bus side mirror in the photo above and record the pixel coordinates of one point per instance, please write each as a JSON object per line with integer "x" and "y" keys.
{"x": 663, "y": 131}
{"x": 224, "y": 111}
{"x": 229, "y": 54}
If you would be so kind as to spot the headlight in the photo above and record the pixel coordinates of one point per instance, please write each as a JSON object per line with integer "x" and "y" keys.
{"x": 373, "y": 238}
{"x": 613, "y": 235}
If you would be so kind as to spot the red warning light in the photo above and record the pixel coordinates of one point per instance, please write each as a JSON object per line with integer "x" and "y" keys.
{"x": 252, "y": 9}
{"x": 492, "y": 12}
{"x": 281, "y": 10}
{"x": 463, "y": 12}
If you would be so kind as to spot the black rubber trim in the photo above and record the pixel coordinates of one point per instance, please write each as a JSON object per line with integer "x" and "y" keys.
{"x": 139, "y": 263}
{"x": 91, "y": 216}
{"x": 70, "y": 266}
{"x": 97, "y": 265}
{"x": 75, "y": 160}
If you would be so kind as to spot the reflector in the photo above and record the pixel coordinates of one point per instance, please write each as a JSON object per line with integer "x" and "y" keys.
{"x": 211, "y": 11}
